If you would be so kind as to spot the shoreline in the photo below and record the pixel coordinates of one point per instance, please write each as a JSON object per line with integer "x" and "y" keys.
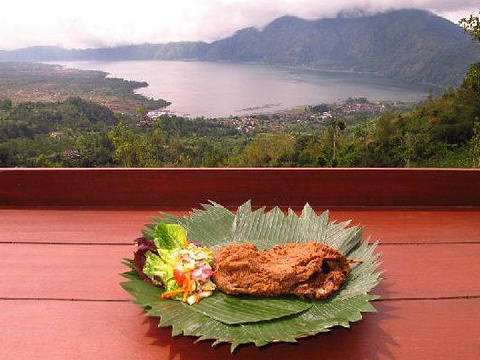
{"x": 137, "y": 89}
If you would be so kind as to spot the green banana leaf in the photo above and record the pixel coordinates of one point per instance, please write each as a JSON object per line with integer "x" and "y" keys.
{"x": 244, "y": 319}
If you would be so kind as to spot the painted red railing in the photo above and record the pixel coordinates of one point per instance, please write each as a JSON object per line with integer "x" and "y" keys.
{"x": 283, "y": 187}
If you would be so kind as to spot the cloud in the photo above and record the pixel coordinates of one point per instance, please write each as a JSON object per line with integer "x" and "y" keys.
{"x": 94, "y": 23}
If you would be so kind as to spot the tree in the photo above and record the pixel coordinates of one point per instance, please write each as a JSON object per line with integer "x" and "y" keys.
{"x": 265, "y": 150}
{"x": 309, "y": 151}
{"x": 333, "y": 133}
{"x": 471, "y": 84}
{"x": 5, "y": 104}
{"x": 472, "y": 26}
{"x": 475, "y": 145}
{"x": 125, "y": 144}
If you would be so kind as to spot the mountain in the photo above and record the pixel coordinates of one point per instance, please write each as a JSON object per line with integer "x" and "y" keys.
{"x": 170, "y": 51}
{"x": 412, "y": 45}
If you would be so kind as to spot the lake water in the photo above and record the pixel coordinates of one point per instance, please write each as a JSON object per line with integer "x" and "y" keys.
{"x": 221, "y": 89}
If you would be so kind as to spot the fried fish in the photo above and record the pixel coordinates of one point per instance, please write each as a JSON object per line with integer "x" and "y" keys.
{"x": 310, "y": 270}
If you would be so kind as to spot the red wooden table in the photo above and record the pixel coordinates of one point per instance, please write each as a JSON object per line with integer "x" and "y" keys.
{"x": 64, "y": 232}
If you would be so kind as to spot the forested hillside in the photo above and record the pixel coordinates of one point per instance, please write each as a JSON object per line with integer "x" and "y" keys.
{"x": 412, "y": 45}
{"x": 441, "y": 132}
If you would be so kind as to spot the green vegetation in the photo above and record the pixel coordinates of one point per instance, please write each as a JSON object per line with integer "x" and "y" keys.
{"x": 72, "y": 133}
{"x": 441, "y": 132}
{"x": 34, "y": 82}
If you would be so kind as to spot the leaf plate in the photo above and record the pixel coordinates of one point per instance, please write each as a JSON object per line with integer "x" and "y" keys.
{"x": 241, "y": 320}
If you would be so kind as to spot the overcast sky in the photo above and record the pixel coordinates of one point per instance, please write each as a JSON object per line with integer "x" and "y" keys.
{"x": 96, "y": 23}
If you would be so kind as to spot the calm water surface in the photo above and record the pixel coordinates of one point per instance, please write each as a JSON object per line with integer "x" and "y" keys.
{"x": 222, "y": 89}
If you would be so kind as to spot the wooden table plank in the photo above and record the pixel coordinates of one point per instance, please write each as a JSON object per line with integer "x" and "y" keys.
{"x": 122, "y": 226}
{"x": 91, "y": 271}
{"x": 416, "y": 225}
{"x": 430, "y": 271}
{"x": 72, "y": 226}
{"x": 444, "y": 329}
{"x": 62, "y": 271}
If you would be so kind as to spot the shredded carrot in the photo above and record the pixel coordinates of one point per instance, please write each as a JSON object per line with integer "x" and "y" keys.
{"x": 187, "y": 285}
{"x": 185, "y": 289}
{"x": 169, "y": 294}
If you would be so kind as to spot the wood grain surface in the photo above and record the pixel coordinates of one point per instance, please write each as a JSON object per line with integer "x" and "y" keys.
{"x": 122, "y": 226}
{"x": 416, "y": 329}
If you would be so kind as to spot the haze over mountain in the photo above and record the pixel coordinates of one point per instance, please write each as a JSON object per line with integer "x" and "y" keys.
{"x": 413, "y": 45}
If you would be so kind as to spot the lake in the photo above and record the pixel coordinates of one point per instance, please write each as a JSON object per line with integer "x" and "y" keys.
{"x": 213, "y": 89}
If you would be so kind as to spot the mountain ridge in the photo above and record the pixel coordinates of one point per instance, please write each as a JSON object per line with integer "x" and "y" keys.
{"x": 412, "y": 45}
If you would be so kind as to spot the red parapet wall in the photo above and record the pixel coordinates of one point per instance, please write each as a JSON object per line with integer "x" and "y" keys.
{"x": 231, "y": 187}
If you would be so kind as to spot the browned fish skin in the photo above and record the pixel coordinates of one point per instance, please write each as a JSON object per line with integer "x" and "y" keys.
{"x": 309, "y": 269}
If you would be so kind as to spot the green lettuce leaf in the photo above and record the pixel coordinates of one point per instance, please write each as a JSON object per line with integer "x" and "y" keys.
{"x": 159, "y": 267}
{"x": 169, "y": 236}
